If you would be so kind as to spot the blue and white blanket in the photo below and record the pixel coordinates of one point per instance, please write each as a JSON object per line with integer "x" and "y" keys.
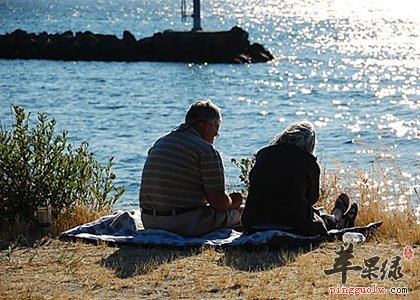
{"x": 125, "y": 227}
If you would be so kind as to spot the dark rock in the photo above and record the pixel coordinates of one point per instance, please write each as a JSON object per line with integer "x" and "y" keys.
{"x": 19, "y": 34}
{"x": 128, "y": 37}
{"x": 179, "y": 46}
{"x": 67, "y": 35}
{"x": 239, "y": 33}
{"x": 259, "y": 53}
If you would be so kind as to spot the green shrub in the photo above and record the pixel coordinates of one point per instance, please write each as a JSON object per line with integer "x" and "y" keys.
{"x": 38, "y": 167}
{"x": 245, "y": 165}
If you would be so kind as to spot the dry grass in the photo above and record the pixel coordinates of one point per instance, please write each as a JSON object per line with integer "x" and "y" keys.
{"x": 52, "y": 269}
{"x": 19, "y": 233}
{"x": 382, "y": 194}
{"x": 77, "y": 216}
{"x": 61, "y": 270}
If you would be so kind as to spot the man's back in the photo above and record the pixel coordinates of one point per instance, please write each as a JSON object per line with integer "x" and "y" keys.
{"x": 180, "y": 168}
{"x": 183, "y": 184}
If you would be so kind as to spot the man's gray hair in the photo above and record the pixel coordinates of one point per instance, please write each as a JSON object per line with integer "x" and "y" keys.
{"x": 301, "y": 134}
{"x": 203, "y": 110}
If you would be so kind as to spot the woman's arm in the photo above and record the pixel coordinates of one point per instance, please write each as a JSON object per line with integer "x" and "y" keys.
{"x": 312, "y": 193}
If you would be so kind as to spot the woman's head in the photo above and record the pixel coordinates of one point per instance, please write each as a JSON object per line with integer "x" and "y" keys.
{"x": 300, "y": 134}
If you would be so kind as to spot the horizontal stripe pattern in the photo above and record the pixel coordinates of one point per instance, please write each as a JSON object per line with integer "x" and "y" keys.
{"x": 179, "y": 169}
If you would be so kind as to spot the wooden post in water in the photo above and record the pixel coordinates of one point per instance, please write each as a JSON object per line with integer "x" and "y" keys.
{"x": 196, "y": 16}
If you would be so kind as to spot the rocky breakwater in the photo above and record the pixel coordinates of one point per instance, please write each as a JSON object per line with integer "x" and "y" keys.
{"x": 230, "y": 46}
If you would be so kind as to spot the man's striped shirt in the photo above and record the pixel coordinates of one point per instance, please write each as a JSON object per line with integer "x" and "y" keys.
{"x": 179, "y": 169}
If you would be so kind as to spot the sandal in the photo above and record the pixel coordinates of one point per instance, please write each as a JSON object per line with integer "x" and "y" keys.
{"x": 350, "y": 216}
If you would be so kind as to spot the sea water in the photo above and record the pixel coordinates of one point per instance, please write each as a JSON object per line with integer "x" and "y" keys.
{"x": 350, "y": 67}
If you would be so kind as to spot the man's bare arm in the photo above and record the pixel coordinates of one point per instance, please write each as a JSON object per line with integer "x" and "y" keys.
{"x": 221, "y": 201}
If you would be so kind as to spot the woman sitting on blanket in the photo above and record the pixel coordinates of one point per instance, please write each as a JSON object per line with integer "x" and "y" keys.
{"x": 284, "y": 185}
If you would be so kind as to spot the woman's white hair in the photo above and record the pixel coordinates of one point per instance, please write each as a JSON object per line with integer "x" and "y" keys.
{"x": 300, "y": 134}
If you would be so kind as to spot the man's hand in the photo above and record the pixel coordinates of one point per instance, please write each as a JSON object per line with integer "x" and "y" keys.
{"x": 221, "y": 201}
{"x": 237, "y": 199}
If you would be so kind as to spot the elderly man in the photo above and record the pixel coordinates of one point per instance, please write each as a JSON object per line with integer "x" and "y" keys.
{"x": 183, "y": 184}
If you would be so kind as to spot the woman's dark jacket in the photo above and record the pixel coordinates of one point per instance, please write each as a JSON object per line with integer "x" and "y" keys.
{"x": 284, "y": 184}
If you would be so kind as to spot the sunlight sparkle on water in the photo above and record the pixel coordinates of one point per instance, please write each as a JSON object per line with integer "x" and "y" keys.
{"x": 352, "y": 67}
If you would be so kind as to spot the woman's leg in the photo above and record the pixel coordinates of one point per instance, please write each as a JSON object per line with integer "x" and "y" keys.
{"x": 330, "y": 221}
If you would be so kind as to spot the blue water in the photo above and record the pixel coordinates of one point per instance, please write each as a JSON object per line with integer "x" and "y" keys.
{"x": 351, "y": 67}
